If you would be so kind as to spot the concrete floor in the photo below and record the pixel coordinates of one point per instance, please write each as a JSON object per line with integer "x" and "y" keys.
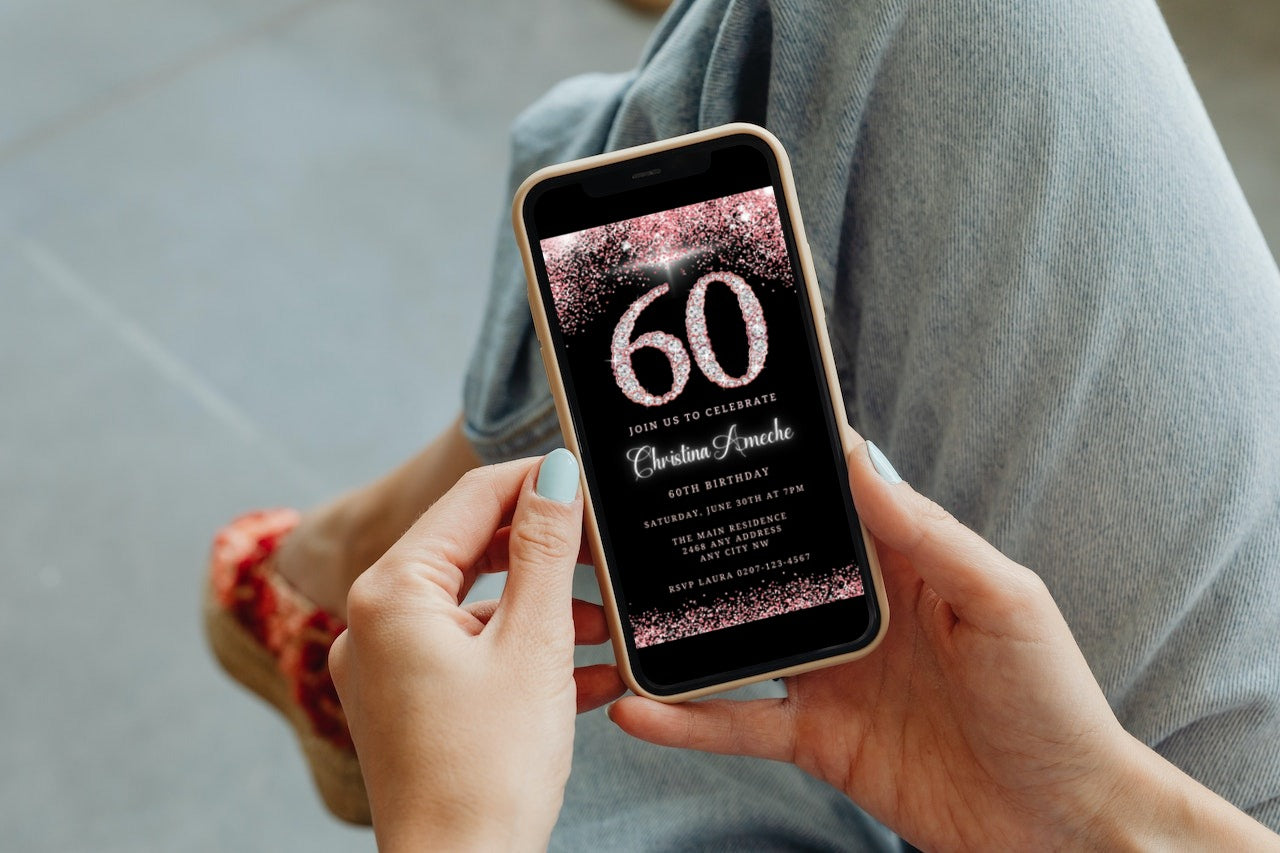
{"x": 234, "y": 273}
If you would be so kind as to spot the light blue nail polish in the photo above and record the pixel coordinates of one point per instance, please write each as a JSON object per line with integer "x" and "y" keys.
{"x": 558, "y": 476}
{"x": 882, "y": 465}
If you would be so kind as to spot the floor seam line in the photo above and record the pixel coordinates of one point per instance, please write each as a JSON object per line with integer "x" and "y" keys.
{"x": 59, "y": 275}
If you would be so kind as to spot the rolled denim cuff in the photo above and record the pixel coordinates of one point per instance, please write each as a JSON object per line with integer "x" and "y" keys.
{"x": 507, "y": 402}
{"x": 529, "y": 434}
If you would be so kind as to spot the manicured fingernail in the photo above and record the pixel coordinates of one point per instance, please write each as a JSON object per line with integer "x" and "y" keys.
{"x": 558, "y": 477}
{"x": 882, "y": 465}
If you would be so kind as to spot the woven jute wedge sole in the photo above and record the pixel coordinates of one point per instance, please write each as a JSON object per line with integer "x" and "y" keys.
{"x": 336, "y": 771}
{"x": 648, "y": 7}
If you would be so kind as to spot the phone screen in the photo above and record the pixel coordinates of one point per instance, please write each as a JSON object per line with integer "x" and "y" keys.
{"x": 684, "y": 331}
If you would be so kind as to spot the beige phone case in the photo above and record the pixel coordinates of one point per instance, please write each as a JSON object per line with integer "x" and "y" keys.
{"x": 566, "y": 422}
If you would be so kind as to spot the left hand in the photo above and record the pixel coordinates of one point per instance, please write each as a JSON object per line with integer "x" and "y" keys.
{"x": 976, "y": 724}
{"x": 463, "y": 715}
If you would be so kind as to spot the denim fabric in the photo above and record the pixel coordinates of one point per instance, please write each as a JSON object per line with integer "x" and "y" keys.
{"x": 1050, "y": 305}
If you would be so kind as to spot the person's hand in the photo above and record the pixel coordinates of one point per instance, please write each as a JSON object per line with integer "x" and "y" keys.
{"x": 976, "y": 723}
{"x": 463, "y": 715}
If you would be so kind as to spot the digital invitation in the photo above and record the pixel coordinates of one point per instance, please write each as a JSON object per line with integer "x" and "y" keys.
{"x": 685, "y": 342}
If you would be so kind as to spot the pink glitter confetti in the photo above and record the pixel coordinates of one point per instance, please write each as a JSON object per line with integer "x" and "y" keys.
{"x": 742, "y": 232}
{"x": 742, "y": 606}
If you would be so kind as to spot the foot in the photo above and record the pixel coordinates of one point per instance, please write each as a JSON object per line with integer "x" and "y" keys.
{"x": 275, "y": 643}
{"x": 324, "y": 554}
{"x": 334, "y": 543}
{"x": 277, "y": 598}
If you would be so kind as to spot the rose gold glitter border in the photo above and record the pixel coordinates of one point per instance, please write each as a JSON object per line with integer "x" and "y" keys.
{"x": 743, "y": 230}
{"x": 742, "y": 606}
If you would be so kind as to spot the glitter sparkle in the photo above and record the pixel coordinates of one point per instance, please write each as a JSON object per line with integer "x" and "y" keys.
{"x": 752, "y": 317}
{"x": 623, "y": 347}
{"x": 713, "y": 613}
{"x": 741, "y": 232}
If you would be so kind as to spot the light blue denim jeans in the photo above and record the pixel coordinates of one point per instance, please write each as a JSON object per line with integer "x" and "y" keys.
{"x": 1049, "y": 304}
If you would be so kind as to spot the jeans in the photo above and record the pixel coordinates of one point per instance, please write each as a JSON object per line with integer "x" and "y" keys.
{"x": 1049, "y": 304}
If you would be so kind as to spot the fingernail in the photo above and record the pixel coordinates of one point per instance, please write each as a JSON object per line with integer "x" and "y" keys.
{"x": 558, "y": 477}
{"x": 882, "y": 465}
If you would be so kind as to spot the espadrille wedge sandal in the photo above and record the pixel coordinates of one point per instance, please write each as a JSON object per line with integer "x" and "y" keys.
{"x": 275, "y": 642}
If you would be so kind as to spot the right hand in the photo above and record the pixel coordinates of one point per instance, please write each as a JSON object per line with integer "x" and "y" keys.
{"x": 463, "y": 714}
{"x": 976, "y": 722}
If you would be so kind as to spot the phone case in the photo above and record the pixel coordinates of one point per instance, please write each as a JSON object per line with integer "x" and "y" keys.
{"x": 552, "y": 366}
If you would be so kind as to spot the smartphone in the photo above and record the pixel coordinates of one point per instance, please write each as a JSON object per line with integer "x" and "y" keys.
{"x": 684, "y": 339}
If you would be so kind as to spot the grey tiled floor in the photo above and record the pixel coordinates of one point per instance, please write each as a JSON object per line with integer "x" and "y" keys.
{"x": 243, "y": 248}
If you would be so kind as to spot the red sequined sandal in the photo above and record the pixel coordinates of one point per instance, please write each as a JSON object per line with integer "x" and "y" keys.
{"x": 275, "y": 642}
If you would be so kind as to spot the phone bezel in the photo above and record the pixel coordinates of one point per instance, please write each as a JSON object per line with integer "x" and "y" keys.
{"x": 651, "y": 167}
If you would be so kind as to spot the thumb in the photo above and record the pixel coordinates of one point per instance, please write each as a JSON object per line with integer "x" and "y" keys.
{"x": 546, "y": 531}
{"x": 763, "y": 728}
{"x": 962, "y": 568}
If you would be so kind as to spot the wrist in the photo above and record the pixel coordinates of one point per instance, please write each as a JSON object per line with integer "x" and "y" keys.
{"x": 480, "y": 824}
{"x": 1137, "y": 806}
{"x": 423, "y": 833}
{"x": 1152, "y": 805}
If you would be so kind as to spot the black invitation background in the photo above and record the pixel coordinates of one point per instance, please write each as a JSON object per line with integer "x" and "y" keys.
{"x": 721, "y": 504}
